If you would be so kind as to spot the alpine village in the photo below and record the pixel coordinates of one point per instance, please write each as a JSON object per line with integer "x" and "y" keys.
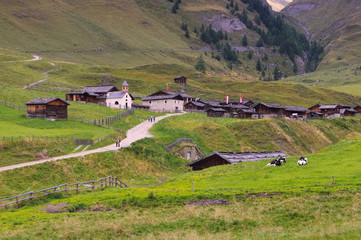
{"x": 180, "y": 119}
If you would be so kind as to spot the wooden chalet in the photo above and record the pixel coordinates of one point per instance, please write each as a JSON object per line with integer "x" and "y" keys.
{"x": 49, "y": 108}
{"x": 268, "y": 110}
{"x": 216, "y": 112}
{"x": 348, "y": 112}
{"x": 91, "y": 94}
{"x": 181, "y": 80}
{"x": 295, "y": 111}
{"x": 248, "y": 103}
{"x": 330, "y": 109}
{"x": 357, "y": 109}
{"x": 245, "y": 112}
{"x": 314, "y": 115}
{"x": 223, "y": 158}
{"x": 194, "y": 106}
{"x": 315, "y": 108}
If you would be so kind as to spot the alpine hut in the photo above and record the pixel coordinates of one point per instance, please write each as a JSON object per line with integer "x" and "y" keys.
{"x": 49, "y": 108}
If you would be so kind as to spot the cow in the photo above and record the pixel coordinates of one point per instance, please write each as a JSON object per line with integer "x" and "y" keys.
{"x": 282, "y": 159}
{"x": 302, "y": 161}
{"x": 275, "y": 162}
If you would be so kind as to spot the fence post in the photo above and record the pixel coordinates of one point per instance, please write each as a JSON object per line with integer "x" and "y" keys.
{"x": 116, "y": 181}
{"x": 192, "y": 186}
{"x": 31, "y": 195}
{"x": 33, "y": 137}
{"x": 93, "y": 186}
{"x": 101, "y": 182}
{"x": 54, "y": 189}
{"x": 77, "y": 188}
{"x": 110, "y": 180}
{"x": 66, "y": 188}
{"x": 17, "y": 202}
{"x": 105, "y": 181}
{"x": 44, "y": 192}
{"x": 333, "y": 179}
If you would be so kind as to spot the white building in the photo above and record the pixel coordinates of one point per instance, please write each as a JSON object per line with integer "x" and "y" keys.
{"x": 163, "y": 101}
{"x": 120, "y": 99}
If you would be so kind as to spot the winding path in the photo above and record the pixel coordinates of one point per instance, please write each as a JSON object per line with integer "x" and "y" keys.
{"x": 136, "y": 133}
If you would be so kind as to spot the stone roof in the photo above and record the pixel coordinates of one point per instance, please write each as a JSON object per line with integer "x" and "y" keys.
{"x": 237, "y": 157}
{"x": 198, "y": 104}
{"x": 329, "y": 106}
{"x": 269, "y": 105}
{"x": 117, "y": 94}
{"x": 98, "y": 89}
{"x": 42, "y": 101}
{"x": 295, "y": 108}
{"x": 125, "y": 84}
{"x": 342, "y": 111}
{"x": 216, "y": 109}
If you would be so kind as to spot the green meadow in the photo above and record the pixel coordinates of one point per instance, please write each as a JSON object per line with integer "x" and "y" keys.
{"x": 290, "y": 202}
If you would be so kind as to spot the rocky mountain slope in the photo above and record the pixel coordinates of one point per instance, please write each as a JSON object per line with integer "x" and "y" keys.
{"x": 337, "y": 24}
{"x": 131, "y": 33}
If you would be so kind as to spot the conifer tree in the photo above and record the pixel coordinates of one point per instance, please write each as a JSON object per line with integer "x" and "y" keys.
{"x": 187, "y": 34}
{"x": 258, "y": 65}
{"x": 200, "y": 65}
{"x": 277, "y": 74}
{"x": 244, "y": 40}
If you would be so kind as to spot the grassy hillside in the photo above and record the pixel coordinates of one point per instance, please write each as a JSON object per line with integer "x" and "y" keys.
{"x": 237, "y": 135}
{"x": 345, "y": 79}
{"x": 265, "y": 202}
{"x": 144, "y": 80}
{"x": 339, "y": 28}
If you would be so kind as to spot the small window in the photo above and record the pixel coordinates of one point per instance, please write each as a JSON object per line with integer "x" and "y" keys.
{"x": 116, "y": 103}
{"x": 188, "y": 155}
{"x": 150, "y": 101}
{"x": 126, "y": 96}
{"x": 165, "y": 101}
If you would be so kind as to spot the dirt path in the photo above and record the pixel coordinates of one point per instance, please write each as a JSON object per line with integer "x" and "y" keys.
{"x": 136, "y": 133}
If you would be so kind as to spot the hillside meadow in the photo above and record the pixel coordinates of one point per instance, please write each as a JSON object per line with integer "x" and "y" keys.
{"x": 264, "y": 203}
{"x": 238, "y": 135}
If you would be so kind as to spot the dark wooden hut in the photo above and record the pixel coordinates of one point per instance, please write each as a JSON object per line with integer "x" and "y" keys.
{"x": 315, "y": 108}
{"x": 357, "y": 108}
{"x": 216, "y": 112}
{"x": 50, "y": 108}
{"x": 181, "y": 80}
{"x": 194, "y": 106}
{"x": 245, "y": 112}
{"x": 330, "y": 109}
{"x": 223, "y": 158}
{"x": 348, "y": 112}
{"x": 268, "y": 109}
{"x": 91, "y": 94}
{"x": 314, "y": 115}
{"x": 295, "y": 111}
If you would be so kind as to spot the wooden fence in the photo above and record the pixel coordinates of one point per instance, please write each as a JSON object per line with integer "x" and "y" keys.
{"x": 104, "y": 121}
{"x": 100, "y": 183}
{"x": 13, "y": 106}
{"x": 33, "y": 137}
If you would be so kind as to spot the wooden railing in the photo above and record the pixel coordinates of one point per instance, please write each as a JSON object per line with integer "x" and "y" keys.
{"x": 93, "y": 184}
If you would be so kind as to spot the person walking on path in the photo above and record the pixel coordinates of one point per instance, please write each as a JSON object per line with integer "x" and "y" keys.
{"x": 117, "y": 143}
{"x": 154, "y": 118}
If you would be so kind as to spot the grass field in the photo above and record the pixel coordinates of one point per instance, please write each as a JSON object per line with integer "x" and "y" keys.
{"x": 237, "y": 135}
{"x": 303, "y": 204}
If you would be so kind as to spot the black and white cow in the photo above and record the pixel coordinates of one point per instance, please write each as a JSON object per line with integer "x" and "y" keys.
{"x": 302, "y": 161}
{"x": 275, "y": 162}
